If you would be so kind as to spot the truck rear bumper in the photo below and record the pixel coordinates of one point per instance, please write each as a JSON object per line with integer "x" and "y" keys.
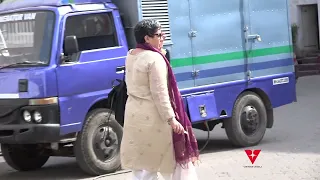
{"x": 29, "y": 133}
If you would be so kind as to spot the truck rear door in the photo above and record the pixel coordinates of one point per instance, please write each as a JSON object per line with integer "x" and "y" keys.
{"x": 269, "y": 49}
{"x": 269, "y": 46}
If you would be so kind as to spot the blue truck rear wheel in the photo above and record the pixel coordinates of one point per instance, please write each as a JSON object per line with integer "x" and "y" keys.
{"x": 248, "y": 123}
{"x": 97, "y": 150}
{"x": 24, "y": 157}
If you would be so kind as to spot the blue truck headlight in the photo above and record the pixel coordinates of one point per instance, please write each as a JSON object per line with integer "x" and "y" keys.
{"x": 27, "y": 116}
{"x": 37, "y": 116}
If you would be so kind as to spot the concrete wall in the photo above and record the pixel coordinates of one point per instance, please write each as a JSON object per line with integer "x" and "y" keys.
{"x": 295, "y": 16}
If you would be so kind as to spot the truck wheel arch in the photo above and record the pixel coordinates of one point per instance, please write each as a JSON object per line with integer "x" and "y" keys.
{"x": 101, "y": 102}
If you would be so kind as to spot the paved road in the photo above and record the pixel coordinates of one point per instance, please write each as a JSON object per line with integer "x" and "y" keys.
{"x": 291, "y": 150}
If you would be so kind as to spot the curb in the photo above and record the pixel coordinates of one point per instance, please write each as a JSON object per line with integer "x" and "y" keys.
{"x": 112, "y": 174}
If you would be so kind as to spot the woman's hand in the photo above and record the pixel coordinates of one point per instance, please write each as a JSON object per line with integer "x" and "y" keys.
{"x": 176, "y": 126}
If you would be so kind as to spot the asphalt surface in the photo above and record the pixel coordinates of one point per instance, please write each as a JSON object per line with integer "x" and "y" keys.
{"x": 291, "y": 150}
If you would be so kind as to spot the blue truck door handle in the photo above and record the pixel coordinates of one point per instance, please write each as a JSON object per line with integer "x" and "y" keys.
{"x": 120, "y": 69}
{"x": 192, "y": 33}
{"x": 254, "y": 37}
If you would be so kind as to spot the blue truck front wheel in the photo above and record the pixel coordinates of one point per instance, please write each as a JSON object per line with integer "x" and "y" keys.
{"x": 97, "y": 148}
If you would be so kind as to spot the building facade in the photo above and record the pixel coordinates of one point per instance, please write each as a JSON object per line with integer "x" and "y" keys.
{"x": 304, "y": 15}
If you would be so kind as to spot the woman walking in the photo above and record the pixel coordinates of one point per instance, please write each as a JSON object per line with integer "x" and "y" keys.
{"x": 157, "y": 135}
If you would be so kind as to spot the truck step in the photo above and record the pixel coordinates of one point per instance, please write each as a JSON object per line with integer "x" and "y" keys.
{"x": 308, "y": 67}
{"x": 308, "y": 60}
{"x": 313, "y": 54}
{"x": 308, "y": 73}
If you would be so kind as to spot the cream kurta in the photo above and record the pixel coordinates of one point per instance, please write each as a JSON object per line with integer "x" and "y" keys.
{"x": 147, "y": 137}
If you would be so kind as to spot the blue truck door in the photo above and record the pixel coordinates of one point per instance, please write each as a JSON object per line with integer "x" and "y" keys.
{"x": 89, "y": 75}
{"x": 217, "y": 41}
{"x": 269, "y": 44}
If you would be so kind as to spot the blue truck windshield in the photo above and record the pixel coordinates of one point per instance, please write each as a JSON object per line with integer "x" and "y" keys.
{"x": 26, "y": 36}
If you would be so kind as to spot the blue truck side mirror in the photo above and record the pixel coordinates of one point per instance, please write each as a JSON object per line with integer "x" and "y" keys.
{"x": 71, "y": 45}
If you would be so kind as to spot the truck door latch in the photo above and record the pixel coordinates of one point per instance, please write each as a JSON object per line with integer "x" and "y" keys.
{"x": 195, "y": 73}
{"x": 192, "y": 33}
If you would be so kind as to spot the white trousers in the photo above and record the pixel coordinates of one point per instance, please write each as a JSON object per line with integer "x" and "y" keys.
{"x": 145, "y": 175}
{"x": 179, "y": 174}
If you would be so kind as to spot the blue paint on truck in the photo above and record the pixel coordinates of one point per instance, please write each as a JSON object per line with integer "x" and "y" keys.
{"x": 59, "y": 59}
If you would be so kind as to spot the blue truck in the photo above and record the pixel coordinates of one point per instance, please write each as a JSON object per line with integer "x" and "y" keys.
{"x": 233, "y": 61}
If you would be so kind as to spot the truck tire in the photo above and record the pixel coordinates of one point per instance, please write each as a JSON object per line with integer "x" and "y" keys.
{"x": 248, "y": 123}
{"x": 95, "y": 151}
{"x": 23, "y": 158}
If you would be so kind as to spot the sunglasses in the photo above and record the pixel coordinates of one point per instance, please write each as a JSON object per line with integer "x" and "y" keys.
{"x": 160, "y": 35}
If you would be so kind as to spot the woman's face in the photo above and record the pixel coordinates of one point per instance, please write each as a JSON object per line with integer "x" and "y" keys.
{"x": 157, "y": 40}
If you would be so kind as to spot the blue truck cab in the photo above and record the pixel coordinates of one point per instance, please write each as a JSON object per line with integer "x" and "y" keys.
{"x": 232, "y": 59}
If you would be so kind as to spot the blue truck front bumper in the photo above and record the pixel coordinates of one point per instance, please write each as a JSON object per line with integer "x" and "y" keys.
{"x": 14, "y": 129}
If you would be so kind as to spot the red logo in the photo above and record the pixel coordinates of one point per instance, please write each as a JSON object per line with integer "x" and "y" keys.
{"x": 252, "y": 154}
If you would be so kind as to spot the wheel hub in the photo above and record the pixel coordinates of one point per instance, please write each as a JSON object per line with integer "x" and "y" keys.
{"x": 105, "y": 143}
{"x": 249, "y": 120}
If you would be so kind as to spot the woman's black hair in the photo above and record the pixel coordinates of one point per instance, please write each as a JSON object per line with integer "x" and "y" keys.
{"x": 145, "y": 27}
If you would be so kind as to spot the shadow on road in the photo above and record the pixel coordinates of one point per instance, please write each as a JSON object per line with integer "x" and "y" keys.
{"x": 222, "y": 144}
{"x": 274, "y": 141}
{"x": 57, "y": 169}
